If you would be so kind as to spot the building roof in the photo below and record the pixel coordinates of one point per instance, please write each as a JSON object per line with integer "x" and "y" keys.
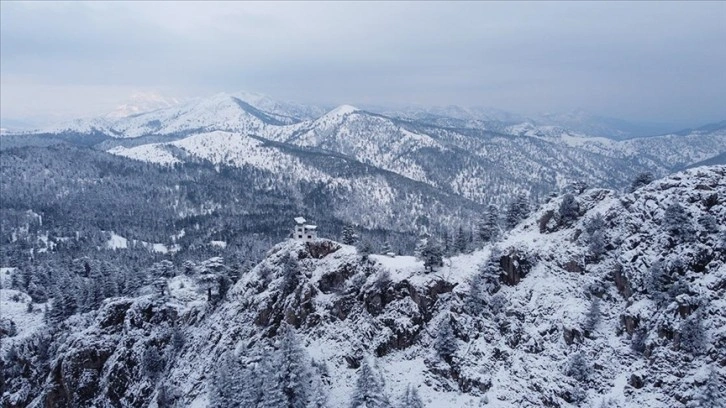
{"x": 311, "y": 227}
{"x": 300, "y": 220}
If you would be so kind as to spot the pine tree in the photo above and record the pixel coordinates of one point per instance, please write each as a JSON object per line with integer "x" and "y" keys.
{"x": 642, "y": 179}
{"x": 569, "y": 210}
{"x": 208, "y": 281}
{"x": 445, "y": 345}
{"x": 517, "y": 211}
{"x": 431, "y": 255}
{"x": 678, "y": 222}
{"x": 596, "y": 246}
{"x": 593, "y": 317}
{"x": 293, "y": 370}
{"x": 712, "y": 394}
{"x": 483, "y": 285}
{"x": 693, "y": 337}
{"x": 369, "y": 392}
{"x": 489, "y": 225}
{"x": 153, "y": 362}
{"x": 410, "y": 398}
{"x": 319, "y": 397}
{"x": 447, "y": 244}
{"x": 594, "y": 224}
{"x": 658, "y": 282}
{"x": 462, "y": 241}
{"x": 272, "y": 395}
{"x": 637, "y": 342}
{"x": 364, "y": 249}
{"x": 228, "y": 383}
{"x": 177, "y": 338}
{"x": 349, "y": 235}
{"x": 578, "y": 368}
{"x": 290, "y": 274}
{"x": 476, "y": 302}
{"x": 386, "y": 248}
{"x": 421, "y": 243}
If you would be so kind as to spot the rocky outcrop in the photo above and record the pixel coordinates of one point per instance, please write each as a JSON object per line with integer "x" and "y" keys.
{"x": 515, "y": 267}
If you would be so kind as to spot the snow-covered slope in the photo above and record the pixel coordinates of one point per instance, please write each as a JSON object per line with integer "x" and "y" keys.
{"x": 362, "y": 194}
{"x": 597, "y": 299}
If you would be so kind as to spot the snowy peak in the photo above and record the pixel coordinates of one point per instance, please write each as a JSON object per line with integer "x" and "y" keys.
{"x": 142, "y": 102}
{"x": 343, "y": 110}
{"x": 336, "y": 116}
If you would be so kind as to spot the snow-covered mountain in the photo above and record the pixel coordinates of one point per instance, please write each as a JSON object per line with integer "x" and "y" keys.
{"x": 597, "y": 299}
{"x": 486, "y": 160}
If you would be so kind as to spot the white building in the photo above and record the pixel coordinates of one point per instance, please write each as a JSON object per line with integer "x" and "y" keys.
{"x": 303, "y": 231}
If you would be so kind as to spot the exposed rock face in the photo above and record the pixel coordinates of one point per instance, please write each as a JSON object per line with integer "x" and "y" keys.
{"x": 103, "y": 364}
{"x": 515, "y": 267}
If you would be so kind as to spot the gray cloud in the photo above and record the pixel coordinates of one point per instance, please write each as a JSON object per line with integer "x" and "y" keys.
{"x": 644, "y": 61}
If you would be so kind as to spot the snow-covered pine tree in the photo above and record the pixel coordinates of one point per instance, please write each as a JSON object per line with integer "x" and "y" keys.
{"x": 410, "y": 398}
{"x": 364, "y": 249}
{"x": 709, "y": 223}
{"x": 177, "y": 338}
{"x": 152, "y": 362}
{"x": 421, "y": 242}
{"x": 712, "y": 394}
{"x": 349, "y": 235}
{"x": 293, "y": 370}
{"x": 596, "y": 245}
{"x": 489, "y": 225}
{"x": 290, "y": 274}
{"x": 577, "y": 367}
{"x": 386, "y": 247}
{"x": 569, "y": 210}
{"x": 255, "y": 377}
{"x": 517, "y": 211}
{"x": 227, "y": 382}
{"x": 431, "y": 255}
{"x": 642, "y": 179}
{"x": 462, "y": 241}
{"x": 637, "y": 341}
{"x": 273, "y": 395}
{"x": 483, "y": 285}
{"x": 476, "y": 300}
{"x": 693, "y": 338}
{"x": 593, "y": 316}
{"x": 658, "y": 282}
{"x": 594, "y": 224}
{"x": 447, "y": 243}
{"x": 678, "y": 222}
{"x": 319, "y": 394}
{"x": 369, "y": 392}
{"x": 445, "y": 343}
{"x": 208, "y": 281}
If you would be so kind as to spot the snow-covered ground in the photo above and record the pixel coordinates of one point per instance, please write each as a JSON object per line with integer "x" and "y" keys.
{"x": 14, "y": 307}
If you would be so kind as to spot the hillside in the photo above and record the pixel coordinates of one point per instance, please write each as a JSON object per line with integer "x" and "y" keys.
{"x": 596, "y": 299}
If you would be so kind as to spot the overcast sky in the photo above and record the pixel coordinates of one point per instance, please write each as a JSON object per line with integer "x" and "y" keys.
{"x": 646, "y": 61}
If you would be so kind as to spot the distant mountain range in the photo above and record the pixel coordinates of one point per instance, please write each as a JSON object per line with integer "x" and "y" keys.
{"x": 482, "y": 155}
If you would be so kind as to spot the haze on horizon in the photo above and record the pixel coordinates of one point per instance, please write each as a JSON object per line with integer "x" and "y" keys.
{"x": 649, "y": 62}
